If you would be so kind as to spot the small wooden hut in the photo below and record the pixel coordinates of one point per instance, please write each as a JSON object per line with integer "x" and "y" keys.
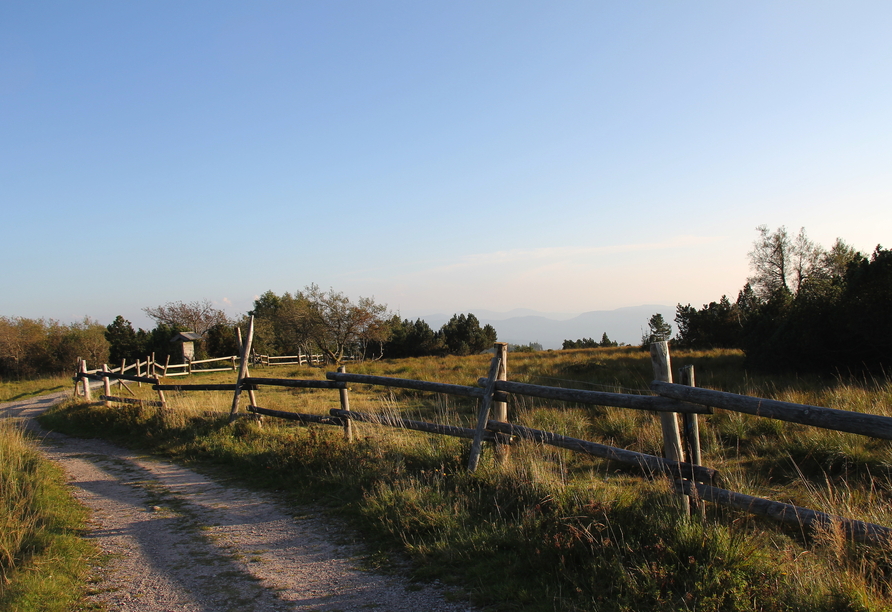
{"x": 187, "y": 340}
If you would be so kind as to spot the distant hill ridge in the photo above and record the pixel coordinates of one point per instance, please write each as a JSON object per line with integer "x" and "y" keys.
{"x": 522, "y": 325}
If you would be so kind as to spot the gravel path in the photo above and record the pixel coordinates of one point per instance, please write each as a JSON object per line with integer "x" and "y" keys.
{"x": 178, "y": 540}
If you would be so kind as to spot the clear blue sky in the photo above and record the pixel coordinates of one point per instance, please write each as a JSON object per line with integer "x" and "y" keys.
{"x": 439, "y": 156}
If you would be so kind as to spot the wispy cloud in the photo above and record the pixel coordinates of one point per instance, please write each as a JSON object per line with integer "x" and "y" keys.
{"x": 546, "y": 255}
{"x": 542, "y": 256}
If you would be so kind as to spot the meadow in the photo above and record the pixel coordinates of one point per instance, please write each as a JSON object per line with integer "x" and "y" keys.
{"x": 548, "y": 529}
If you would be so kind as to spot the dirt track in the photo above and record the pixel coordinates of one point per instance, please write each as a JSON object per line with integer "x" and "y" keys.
{"x": 177, "y": 540}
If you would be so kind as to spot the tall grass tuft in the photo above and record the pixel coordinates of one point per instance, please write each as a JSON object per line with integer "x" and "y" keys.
{"x": 43, "y": 559}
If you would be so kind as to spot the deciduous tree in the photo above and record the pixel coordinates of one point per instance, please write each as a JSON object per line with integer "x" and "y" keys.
{"x": 197, "y": 316}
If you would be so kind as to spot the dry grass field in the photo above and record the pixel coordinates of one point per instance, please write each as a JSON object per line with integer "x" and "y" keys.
{"x": 549, "y": 529}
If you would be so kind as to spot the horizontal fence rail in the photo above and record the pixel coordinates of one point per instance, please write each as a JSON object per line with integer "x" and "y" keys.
{"x": 131, "y": 400}
{"x": 198, "y": 387}
{"x": 601, "y": 398}
{"x": 297, "y": 416}
{"x": 399, "y": 422}
{"x": 861, "y": 423}
{"x": 406, "y": 383}
{"x": 293, "y": 382}
{"x": 788, "y": 513}
{"x": 114, "y": 376}
{"x": 649, "y": 463}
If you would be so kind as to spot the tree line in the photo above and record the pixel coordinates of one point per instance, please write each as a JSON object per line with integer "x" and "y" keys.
{"x": 330, "y": 322}
{"x": 31, "y": 347}
{"x": 804, "y": 308}
{"x": 589, "y": 343}
{"x": 311, "y": 321}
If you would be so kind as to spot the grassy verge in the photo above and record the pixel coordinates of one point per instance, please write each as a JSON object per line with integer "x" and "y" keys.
{"x": 550, "y": 529}
{"x": 43, "y": 560}
{"x": 12, "y": 390}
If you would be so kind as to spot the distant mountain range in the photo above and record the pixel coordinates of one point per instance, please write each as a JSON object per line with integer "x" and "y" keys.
{"x": 522, "y": 326}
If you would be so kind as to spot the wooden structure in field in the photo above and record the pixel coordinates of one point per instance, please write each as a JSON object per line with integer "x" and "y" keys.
{"x": 187, "y": 340}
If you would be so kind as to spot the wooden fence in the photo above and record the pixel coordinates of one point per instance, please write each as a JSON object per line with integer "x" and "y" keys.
{"x": 300, "y": 359}
{"x": 694, "y": 481}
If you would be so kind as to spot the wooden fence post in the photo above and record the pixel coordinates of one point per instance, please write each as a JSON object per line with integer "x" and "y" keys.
{"x": 251, "y": 393}
{"x": 690, "y": 425}
{"x": 659, "y": 356}
{"x": 500, "y": 409}
{"x": 77, "y": 377}
{"x": 672, "y": 448}
{"x": 87, "y": 395}
{"x": 166, "y": 363}
{"x": 345, "y": 405}
{"x": 106, "y": 384}
{"x": 691, "y": 433}
{"x": 139, "y": 370}
{"x": 483, "y": 415}
{"x": 242, "y": 369}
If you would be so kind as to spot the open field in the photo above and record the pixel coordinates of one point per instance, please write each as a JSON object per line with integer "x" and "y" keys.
{"x": 550, "y": 529}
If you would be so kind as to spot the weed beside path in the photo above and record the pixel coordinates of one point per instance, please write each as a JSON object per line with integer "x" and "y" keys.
{"x": 44, "y": 560}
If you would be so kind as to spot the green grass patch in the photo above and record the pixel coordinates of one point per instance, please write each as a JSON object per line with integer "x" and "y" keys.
{"x": 44, "y": 561}
{"x": 13, "y": 390}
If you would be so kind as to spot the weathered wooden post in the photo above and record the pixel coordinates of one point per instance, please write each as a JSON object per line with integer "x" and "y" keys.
{"x": 77, "y": 377}
{"x": 86, "y": 381}
{"x": 166, "y": 364}
{"x": 251, "y": 393}
{"x": 242, "y": 369}
{"x": 345, "y": 405}
{"x": 690, "y": 424}
{"x": 691, "y": 432}
{"x": 659, "y": 356}
{"x": 672, "y": 449}
{"x": 139, "y": 370}
{"x": 106, "y": 384}
{"x": 500, "y": 409}
{"x": 483, "y": 415}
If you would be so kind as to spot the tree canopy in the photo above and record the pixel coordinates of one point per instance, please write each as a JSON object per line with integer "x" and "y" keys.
{"x": 327, "y": 321}
{"x": 804, "y": 308}
{"x": 31, "y": 347}
{"x": 198, "y": 316}
{"x": 658, "y": 330}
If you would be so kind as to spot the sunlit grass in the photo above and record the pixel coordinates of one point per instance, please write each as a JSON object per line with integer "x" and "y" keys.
{"x": 43, "y": 559}
{"x": 12, "y": 390}
{"x": 548, "y": 528}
